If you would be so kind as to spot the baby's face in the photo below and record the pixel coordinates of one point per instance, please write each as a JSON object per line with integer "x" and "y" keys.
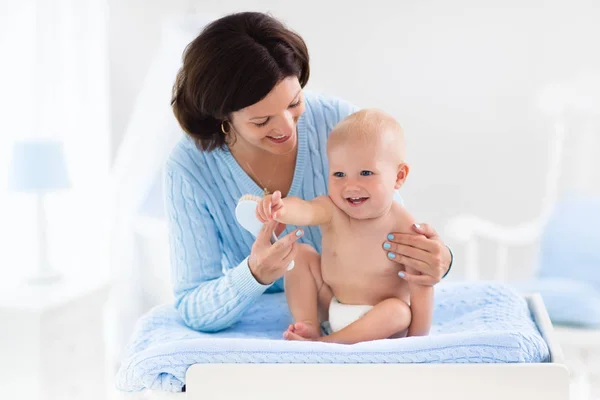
{"x": 362, "y": 178}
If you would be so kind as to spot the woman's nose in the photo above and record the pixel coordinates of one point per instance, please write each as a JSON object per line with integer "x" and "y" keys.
{"x": 288, "y": 123}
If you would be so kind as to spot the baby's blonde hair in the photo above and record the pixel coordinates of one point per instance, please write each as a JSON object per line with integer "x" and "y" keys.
{"x": 369, "y": 125}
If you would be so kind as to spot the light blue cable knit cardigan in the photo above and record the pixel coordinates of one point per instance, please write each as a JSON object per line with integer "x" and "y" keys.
{"x": 213, "y": 285}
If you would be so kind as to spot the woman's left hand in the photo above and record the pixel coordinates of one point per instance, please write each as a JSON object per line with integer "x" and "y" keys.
{"x": 424, "y": 252}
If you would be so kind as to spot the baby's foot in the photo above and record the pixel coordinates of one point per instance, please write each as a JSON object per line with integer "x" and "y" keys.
{"x": 306, "y": 330}
{"x": 289, "y": 335}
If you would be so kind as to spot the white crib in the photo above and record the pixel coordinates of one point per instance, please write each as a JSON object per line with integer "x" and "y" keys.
{"x": 576, "y": 101}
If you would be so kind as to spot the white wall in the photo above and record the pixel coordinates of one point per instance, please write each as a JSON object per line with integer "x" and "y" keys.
{"x": 461, "y": 76}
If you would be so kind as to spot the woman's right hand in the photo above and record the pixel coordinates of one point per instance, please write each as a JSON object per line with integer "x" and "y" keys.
{"x": 269, "y": 262}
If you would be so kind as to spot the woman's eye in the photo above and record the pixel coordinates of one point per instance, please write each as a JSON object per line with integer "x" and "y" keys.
{"x": 261, "y": 123}
{"x": 366, "y": 173}
{"x": 339, "y": 174}
{"x": 296, "y": 104}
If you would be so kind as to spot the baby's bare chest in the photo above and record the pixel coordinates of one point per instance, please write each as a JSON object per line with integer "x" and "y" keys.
{"x": 354, "y": 246}
{"x": 357, "y": 251}
{"x": 354, "y": 263}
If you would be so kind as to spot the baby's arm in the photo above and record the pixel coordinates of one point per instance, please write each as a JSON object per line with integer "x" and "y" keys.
{"x": 294, "y": 210}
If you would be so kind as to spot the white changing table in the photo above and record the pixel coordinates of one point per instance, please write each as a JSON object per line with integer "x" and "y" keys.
{"x": 527, "y": 381}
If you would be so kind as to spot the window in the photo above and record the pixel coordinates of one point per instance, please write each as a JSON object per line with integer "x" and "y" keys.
{"x": 54, "y": 79}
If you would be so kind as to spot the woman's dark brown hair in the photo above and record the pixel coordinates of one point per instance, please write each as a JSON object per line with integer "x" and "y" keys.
{"x": 234, "y": 62}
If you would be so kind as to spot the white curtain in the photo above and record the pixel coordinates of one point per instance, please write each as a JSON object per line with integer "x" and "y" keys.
{"x": 54, "y": 80}
{"x": 151, "y": 133}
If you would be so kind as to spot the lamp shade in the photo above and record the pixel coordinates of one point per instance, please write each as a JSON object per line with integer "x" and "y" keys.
{"x": 38, "y": 166}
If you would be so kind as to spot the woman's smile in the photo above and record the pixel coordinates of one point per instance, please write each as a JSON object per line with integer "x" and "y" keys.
{"x": 279, "y": 139}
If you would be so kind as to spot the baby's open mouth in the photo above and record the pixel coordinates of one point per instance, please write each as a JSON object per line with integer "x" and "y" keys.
{"x": 356, "y": 201}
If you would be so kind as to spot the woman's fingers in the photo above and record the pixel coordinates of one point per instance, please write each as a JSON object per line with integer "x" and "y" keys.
{"x": 426, "y": 247}
{"x": 426, "y": 230}
{"x": 414, "y": 263}
{"x": 425, "y": 280}
{"x": 291, "y": 256}
{"x": 266, "y": 232}
{"x": 408, "y": 251}
{"x": 268, "y": 262}
{"x": 412, "y": 240}
{"x": 280, "y": 228}
{"x": 282, "y": 246}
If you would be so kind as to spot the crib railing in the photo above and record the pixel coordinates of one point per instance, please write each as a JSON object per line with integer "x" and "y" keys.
{"x": 469, "y": 231}
{"x": 581, "y": 345}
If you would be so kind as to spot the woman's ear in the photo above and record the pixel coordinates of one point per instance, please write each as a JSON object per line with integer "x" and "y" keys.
{"x": 401, "y": 175}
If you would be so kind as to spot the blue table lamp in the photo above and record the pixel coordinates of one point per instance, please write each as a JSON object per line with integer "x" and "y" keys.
{"x": 38, "y": 166}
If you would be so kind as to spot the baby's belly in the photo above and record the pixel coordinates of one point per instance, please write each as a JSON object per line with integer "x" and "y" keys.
{"x": 357, "y": 281}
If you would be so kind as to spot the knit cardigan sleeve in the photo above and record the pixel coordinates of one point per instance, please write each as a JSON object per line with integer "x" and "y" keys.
{"x": 207, "y": 299}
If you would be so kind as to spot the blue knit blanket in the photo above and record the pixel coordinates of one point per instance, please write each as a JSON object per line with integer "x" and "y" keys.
{"x": 473, "y": 323}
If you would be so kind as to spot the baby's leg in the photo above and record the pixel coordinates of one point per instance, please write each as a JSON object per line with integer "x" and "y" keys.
{"x": 390, "y": 318}
{"x": 302, "y": 293}
{"x": 421, "y": 306}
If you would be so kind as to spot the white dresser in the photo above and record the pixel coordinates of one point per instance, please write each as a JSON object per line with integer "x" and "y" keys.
{"x": 52, "y": 340}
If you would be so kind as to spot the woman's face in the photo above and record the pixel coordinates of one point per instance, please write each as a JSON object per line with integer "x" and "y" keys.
{"x": 270, "y": 124}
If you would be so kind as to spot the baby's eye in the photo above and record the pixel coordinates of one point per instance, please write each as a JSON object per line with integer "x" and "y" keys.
{"x": 366, "y": 173}
{"x": 339, "y": 174}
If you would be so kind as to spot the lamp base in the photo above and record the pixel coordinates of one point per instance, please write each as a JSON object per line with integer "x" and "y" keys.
{"x": 43, "y": 278}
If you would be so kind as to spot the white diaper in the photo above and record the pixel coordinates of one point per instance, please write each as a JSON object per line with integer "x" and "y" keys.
{"x": 342, "y": 315}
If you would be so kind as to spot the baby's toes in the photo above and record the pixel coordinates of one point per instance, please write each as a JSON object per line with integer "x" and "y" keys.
{"x": 306, "y": 330}
{"x": 293, "y": 336}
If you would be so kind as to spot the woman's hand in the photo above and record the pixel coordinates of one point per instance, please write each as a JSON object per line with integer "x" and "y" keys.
{"x": 269, "y": 262}
{"x": 425, "y": 253}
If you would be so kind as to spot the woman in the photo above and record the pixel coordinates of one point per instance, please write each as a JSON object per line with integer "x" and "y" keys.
{"x": 251, "y": 129}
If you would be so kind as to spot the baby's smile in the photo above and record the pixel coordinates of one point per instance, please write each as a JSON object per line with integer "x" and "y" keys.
{"x": 356, "y": 201}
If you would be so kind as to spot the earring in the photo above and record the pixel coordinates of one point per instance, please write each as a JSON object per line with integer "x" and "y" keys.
{"x": 226, "y": 132}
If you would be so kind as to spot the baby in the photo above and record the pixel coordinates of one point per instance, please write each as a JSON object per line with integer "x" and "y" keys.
{"x": 357, "y": 285}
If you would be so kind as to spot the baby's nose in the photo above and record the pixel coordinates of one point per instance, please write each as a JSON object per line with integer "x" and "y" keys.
{"x": 351, "y": 188}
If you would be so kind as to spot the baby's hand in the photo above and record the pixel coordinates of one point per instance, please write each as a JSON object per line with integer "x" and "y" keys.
{"x": 270, "y": 207}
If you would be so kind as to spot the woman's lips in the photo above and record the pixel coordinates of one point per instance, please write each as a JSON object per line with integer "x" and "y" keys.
{"x": 278, "y": 139}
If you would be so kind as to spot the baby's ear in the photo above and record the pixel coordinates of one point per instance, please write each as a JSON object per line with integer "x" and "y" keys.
{"x": 401, "y": 175}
